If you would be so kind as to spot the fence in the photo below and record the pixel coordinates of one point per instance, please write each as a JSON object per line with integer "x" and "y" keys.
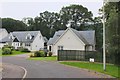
{"x": 77, "y": 55}
{"x": 65, "y": 55}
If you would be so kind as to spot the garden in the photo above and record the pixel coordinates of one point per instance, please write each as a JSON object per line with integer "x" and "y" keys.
{"x": 10, "y": 51}
{"x": 43, "y": 56}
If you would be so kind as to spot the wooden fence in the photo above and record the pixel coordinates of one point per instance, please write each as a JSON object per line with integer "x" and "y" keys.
{"x": 65, "y": 55}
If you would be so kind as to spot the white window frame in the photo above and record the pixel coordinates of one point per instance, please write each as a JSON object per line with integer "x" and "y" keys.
{"x": 27, "y": 44}
{"x": 60, "y": 47}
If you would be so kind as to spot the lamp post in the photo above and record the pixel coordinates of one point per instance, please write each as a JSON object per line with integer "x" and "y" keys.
{"x": 104, "y": 55}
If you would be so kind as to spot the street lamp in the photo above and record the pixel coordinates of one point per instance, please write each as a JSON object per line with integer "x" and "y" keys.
{"x": 103, "y": 21}
{"x": 104, "y": 55}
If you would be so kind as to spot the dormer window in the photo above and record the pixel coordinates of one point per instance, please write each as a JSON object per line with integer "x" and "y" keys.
{"x": 11, "y": 37}
{"x": 28, "y": 36}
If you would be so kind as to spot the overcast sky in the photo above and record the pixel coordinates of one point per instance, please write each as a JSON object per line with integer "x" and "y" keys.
{"x": 19, "y": 9}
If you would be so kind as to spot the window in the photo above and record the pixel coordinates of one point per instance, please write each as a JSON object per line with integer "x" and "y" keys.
{"x": 27, "y": 44}
{"x": 50, "y": 48}
{"x": 28, "y": 36}
{"x": 60, "y": 47}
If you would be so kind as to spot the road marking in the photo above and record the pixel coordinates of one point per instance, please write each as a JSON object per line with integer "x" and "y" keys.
{"x": 25, "y": 71}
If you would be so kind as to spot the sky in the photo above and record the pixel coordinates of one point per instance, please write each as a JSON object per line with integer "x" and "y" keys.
{"x": 18, "y": 9}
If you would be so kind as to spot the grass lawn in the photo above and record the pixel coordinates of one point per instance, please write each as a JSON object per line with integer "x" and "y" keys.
{"x": 13, "y": 53}
{"x": 0, "y": 52}
{"x": 18, "y": 52}
{"x": 53, "y": 58}
{"x": 110, "y": 69}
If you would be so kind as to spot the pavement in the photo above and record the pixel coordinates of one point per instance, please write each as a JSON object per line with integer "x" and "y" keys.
{"x": 50, "y": 69}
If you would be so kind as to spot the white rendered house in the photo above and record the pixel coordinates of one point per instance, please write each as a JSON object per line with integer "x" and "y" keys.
{"x": 32, "y": 40}
{"x": 3, "y": 34}
{"x": 71, "y": 39}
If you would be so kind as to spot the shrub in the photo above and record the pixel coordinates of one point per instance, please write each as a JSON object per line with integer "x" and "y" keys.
{"x": 31, "y": 55}
{"x": 50, "y": 54}
{"x": 8, "y": 46}
{"x": 37, "y": 54}
{"x": 45, "y": 54}
{"x": 6, "y": 51}
{"x": 24, "y": 50}
{"x": 42, "y": 53}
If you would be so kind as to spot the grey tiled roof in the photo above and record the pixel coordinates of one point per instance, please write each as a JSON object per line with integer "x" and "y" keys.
{"x": 21, "y": 36}
{"x": 45, "y": 39}
{"x": 88, "y": 37}
{"x": 55, "y": 37}
{"x": 2, "y": 29}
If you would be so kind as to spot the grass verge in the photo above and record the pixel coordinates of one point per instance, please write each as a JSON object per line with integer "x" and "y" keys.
{"x": 53, "y": 58}
{"x": 110, "y": 69}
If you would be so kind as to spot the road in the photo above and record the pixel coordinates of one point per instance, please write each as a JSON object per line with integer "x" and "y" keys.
{"x": 49, "y": 69}
{"x": 9, "y": 69}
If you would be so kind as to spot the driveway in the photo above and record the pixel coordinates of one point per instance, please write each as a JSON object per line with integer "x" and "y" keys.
{"x": 45, "y": 69}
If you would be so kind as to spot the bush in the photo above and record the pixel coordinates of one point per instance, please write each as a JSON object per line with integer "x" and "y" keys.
{"x": 39, "y": 54}
{"x": 6, "y": 51}
{"x": 50, "y": 54}
{"x": 8, "y": 46}
{"x": 31, "y": 55}
{"x": 45, "y": 54}
{"x": 24, "y": 50}
{"x": 42, "y": 53}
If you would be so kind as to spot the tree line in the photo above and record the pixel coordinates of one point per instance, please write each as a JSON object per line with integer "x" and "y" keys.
{"x": 112, "y": 27}
{"x": 81, "y": 19}
{"x": 49, "y": 22}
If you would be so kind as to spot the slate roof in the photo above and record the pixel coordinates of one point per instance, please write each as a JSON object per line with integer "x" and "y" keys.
{"x": 45, "y": 39}
{"x": 21, "y": 36}
{"x": 55, "y": 37}
{"x": 2, "y": 29}
{"x": 88, "y": 37}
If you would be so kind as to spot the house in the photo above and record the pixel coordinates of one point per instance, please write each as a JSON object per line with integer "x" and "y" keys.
{"x": 71, "y": 39}
{"x": 32, "y": 40}
{"x": 3, "y": 34}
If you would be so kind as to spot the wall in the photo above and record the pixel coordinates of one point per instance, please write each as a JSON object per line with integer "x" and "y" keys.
{"x": 38, "y": 43}
{"x": 3, "y": 34}
{"x": 69, "y": 41}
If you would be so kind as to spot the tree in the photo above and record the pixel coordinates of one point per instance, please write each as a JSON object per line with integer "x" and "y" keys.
{"x": 78, "y": 14}
{"x": 46, "y": 22}
{"x": 98, "y": 27}
{"x": 29, "y": 22}
{"x": 112, "y": 14}
{"x": 13, "y": 25}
